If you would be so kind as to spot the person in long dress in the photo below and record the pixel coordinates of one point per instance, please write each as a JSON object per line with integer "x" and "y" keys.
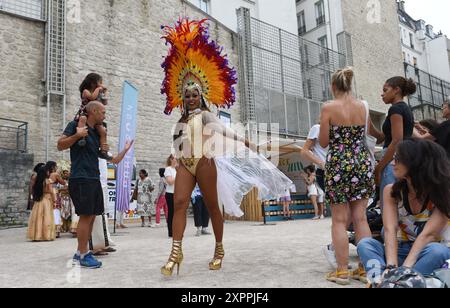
{"x": 143, "y": 191}
{"x": 41, "y": 225}
{"x": 58, "y": 182}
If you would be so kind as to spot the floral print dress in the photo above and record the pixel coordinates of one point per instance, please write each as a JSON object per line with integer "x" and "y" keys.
{"x": 145, "y": 204}
{"x": 349, "y": 174}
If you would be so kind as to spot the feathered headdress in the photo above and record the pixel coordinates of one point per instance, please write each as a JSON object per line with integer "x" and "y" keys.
{"x": 194, "y": 61}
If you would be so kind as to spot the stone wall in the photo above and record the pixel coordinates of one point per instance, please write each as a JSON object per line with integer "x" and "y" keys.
{"x": 22, "y": 74}
{"x": 15, "y": 170}
{"x": 120, "y": 40}
{"x": 377, "y": 52}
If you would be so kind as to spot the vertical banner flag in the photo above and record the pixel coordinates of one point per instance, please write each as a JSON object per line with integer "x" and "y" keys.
{"x": 127, "y": 133}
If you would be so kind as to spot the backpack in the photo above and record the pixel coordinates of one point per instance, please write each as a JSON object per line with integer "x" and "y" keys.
{"x": 403, "y": 278}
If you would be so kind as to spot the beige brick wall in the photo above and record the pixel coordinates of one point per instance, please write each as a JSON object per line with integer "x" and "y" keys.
{"x": 377, "y": 53}
{"x": 121, "y": 42}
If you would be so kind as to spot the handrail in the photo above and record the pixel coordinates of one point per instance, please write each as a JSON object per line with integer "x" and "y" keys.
{"x": 13, "y": 137}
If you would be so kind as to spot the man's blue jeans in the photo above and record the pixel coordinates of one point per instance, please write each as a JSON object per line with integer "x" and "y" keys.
{"x": 372, "y": 255}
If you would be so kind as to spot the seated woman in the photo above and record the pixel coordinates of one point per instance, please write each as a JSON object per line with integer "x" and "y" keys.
{"x": 416, "y": 213}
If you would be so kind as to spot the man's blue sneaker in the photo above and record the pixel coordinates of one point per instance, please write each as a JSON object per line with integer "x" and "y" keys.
{"x": 76, "y": 259}
{"x": 90, "y": 262}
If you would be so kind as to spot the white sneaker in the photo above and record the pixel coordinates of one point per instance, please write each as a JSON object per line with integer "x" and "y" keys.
{"x": 151, "y": 226}
{"x": 322, "y": 217}
{"x": 198, "y": 233}
{"x": 158, "y": 225}
{"x": 330, "y": 256}
{"x": 205, "y": 232}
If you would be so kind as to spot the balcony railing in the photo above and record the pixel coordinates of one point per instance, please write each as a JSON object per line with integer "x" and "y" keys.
{"x": 320, "y": 20}
{"x": 13, "y": 135}
{"x": 301, "y": 30}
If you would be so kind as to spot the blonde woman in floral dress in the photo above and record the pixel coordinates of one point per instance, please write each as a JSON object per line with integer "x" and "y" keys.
{"x": 349, "y": 171}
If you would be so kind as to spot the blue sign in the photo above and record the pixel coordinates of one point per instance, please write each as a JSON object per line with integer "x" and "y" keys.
{"x": 127, "y": 133}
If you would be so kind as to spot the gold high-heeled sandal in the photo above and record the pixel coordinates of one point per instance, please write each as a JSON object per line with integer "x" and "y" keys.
{"x": 219, "y": 254}
{"x": 175, "y": 258}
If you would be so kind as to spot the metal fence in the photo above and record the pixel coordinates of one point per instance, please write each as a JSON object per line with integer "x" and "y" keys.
{"x": 318, "y": 65}
{"x": 13, "y": 135}
{"x": 284, "y": 78}
{"x": 55, "y": 53}
{"x": 431, "y": 93}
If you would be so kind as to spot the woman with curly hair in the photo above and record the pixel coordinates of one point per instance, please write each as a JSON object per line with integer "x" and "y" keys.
{"x": 416, "y": 214}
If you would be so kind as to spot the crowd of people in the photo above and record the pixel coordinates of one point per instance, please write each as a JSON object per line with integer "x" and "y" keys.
{"x": 52, "y": 212}
{"x": 412, "y": 177}
{"x": 61, "y": 201}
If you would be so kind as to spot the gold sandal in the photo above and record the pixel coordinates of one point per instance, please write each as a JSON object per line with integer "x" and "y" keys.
{"x": 341, "y": 278}
{"x": 175, "y": 258}
{"x": 219, "y": 254}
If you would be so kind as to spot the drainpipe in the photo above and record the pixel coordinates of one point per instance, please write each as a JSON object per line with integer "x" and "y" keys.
{"x": 64, "y": 123}
{"x": 47, "y": 42}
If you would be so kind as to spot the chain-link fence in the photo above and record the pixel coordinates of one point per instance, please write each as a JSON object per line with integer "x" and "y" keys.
{"x": 284, "y": 78}
{"x": 318, "y": 65}
{"x": 56, "y": 26}
{"x": 431, "y": 93}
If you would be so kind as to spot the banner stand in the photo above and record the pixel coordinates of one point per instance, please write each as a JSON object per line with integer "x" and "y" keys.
{"x": 127, "y": 133}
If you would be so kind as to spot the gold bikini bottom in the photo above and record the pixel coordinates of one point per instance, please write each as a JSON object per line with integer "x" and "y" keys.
{"x": 191, "y": 164}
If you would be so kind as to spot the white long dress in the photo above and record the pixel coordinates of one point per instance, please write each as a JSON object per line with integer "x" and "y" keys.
{"x": 100, "y": 237}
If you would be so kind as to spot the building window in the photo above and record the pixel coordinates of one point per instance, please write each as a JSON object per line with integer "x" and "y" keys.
{"x": 305, "y": 57}
{"x": 205, "y": 5}
{"x": 411, "y": 39}
{"x": 225, "y": 118}
{"x": 301, "y": 23}
{"x": 415, "y": 61}
{"x": 320, "y": 13}
{"x": 309, "y": 89}
{"x": 324, "y": 55}
{"x": 326, "y": 80}
{"x": 33, "y": 9}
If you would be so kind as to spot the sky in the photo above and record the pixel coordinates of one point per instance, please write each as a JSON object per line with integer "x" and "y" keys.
{"x": 434, "y": 12}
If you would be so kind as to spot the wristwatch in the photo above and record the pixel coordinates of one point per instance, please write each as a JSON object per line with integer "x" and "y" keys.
{"x": 391, "y": 267}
